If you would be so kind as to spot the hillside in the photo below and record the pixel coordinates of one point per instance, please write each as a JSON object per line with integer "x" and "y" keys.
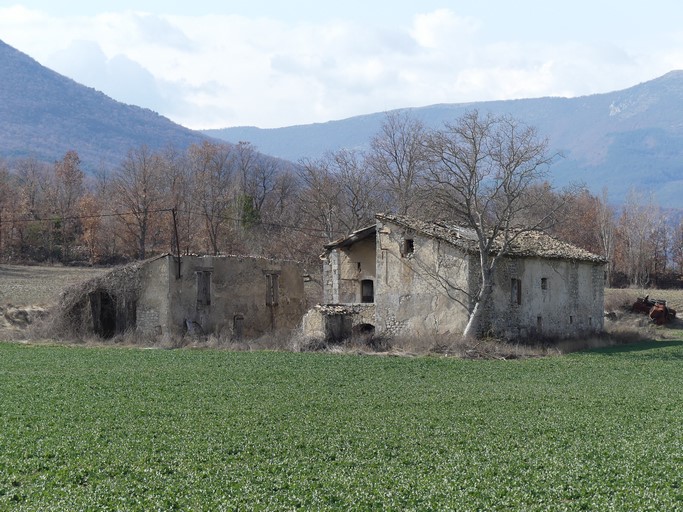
{"x": 622, "y": 139}
{"x": 44, "y": 114}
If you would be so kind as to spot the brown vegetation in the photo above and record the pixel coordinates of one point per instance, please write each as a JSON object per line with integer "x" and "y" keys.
{"x": 221, "y": 198}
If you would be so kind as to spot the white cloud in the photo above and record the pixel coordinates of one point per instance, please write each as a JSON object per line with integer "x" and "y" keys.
{"x": 226, "y": 70}
{"x": 442, "y": 28}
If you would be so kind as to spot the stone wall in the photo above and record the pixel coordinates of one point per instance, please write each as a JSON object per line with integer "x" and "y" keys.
{"x": 229, "y": 296}
{"x": 559, "y": 298}
{"x": 336, "y": 322}
{"x": 421, "y": 284}
{"x": 345, "y": 269}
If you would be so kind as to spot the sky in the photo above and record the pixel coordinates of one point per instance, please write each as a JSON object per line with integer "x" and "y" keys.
{"x": 223, "y": 63}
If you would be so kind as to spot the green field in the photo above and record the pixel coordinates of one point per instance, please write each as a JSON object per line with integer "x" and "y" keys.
{"x": 130, "y": 429}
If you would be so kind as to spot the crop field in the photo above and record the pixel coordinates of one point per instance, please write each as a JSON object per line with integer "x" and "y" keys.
{"x": 131, "y": 429}
{"x": 24, "y": 285}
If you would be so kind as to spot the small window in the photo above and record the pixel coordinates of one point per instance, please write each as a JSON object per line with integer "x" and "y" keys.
{"x": 408, "y": 246}
{"x": 544, "y": 283}
{"x": 238, "y": 327}
{"x": 539, "y": 323}
{"x": 367, "y": 291}
{"x": 571, "y": 319}
{"x": 358, "y": 267}
{"x": 272, "y": 289}
{"x": 204, "y": 288}
{"x": 516, "y": 291}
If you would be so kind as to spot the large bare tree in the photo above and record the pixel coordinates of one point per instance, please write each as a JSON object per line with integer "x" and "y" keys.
{"x": 397, "y": 156}
{"x": 213, "y": 173}
{"x": 482, "y": 175}
{"x": 139, "y": 189}
{"x": 66, "y": 191}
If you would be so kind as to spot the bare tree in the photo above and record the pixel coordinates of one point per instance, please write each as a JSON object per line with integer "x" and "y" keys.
{"x": 677, "y": 247}
{"x": 66, "y": 191}
{"x": 359, "y": 198}
{"x": 34, "y": 238}
{"x": 339, "y": 193}
{"x": 606, "y": 231}
{"x": 319, "y": 200}
{"x": 212, "y": 168}
{"x": 5, "y": 194}
{"x": 637, "y": 224}
{"x": 398, "y": 157}
{"x": 139, "y": 191}
{"x": 482, "y": 170}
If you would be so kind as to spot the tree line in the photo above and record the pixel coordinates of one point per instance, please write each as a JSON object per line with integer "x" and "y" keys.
{"x": 216, "y": 198}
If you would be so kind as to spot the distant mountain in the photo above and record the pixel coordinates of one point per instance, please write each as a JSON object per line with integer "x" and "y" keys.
{"x": 44, "y": 114}
{"x": 622, "y": 139}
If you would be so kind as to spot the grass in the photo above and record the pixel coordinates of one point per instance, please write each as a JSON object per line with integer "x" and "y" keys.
{"x": 130, "y": 429}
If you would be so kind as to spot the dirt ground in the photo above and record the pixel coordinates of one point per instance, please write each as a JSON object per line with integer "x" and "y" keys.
{"x": 22, "y": 285}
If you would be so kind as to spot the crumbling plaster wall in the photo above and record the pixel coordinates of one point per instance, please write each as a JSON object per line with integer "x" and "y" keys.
{"x": 153, "y": 308}
{"x": 344, "y": 270}
{"x": 422, "y": 291}
{"x": 558, "y": 298}
{"x": 238, "y": 295}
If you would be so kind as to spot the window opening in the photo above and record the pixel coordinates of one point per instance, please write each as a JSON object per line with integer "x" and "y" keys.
{"x": 544, "y": 283}
{"x": 238, "y": 327}
{"x": 516, "y": 291}
{"x": 272, "y": 289}
{"x": 408, "y": 246}
{"x": 204, "y": 288}
{"x": 367, "y": 290}
{"x": 539, "y": 323}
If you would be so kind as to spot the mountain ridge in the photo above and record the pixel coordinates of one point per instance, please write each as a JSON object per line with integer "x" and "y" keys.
{"x": 616, "y": 140}
{"x": 44, "y": 114}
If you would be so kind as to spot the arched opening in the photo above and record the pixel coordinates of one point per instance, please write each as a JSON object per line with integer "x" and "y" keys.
{"x": 364, "y": 330}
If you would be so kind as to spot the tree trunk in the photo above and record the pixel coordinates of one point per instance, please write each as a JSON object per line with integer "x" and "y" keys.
{"x": 474, "y": 324}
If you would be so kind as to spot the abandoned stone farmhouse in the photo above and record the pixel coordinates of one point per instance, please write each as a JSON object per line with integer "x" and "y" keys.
{"x": 235, "y": 297}
{"x": 402, "y": 276}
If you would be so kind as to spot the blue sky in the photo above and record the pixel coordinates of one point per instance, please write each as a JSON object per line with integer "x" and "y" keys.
{"x": 210, "y": 64}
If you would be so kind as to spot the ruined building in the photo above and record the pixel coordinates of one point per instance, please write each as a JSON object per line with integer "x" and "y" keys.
{"x": 232, "y": 296}
{"x": 402, "y": 276}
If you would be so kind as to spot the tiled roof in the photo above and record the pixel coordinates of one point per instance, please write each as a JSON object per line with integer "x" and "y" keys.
{"x": 526, "y": 244}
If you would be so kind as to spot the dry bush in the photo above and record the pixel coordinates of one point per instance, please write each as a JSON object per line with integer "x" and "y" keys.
{"x": 457, "y": 346}
{"x": 620, "y": 299}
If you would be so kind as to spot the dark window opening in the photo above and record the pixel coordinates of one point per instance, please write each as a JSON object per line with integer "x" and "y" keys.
{"x": 238, "y": 327}
{"x": 408, "y": 246}
{"x": 358, "y": 266}
{"x": 544, "y": 283}
{"x": 204, "y": 288}
{"x": 516, "y": 291}
{"x": 272, "y": 289}
{"x": 571, "y": 319}
{"x": 539, "y": 323}
{"x": 367, "y": 290}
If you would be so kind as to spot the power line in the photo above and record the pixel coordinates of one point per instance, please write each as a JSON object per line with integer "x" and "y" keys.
{"x": 307, "y": 230}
